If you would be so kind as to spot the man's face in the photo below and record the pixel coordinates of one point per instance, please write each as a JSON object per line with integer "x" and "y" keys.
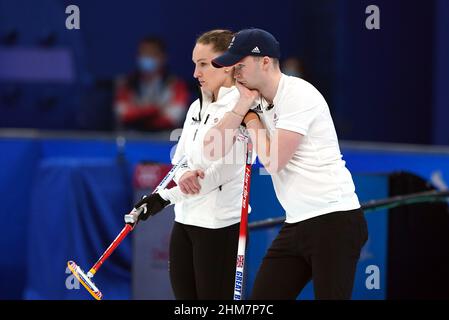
{"x": 248, "y": 72}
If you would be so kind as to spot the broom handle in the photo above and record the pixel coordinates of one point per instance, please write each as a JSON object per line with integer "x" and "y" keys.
{"x": 129, "y": 227}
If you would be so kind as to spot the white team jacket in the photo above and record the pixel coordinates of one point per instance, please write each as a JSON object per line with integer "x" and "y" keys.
{"x": 218, "y": 204}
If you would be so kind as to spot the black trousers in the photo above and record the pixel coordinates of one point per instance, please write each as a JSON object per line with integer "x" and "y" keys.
{"x": 324, "y": 249}
{"x": 202, "y": 262}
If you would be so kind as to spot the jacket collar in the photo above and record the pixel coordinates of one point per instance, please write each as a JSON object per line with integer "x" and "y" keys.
{"x": 223, "y": 91}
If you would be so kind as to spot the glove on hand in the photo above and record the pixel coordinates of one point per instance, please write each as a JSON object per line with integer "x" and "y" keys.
{"x": 150, "y": 205}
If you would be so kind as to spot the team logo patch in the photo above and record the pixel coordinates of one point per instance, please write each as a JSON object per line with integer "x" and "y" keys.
{"x": 257, "y": 109}
{"x": 275, "y": 118}
{"x": 241, "y": 137}
{"x": 240, "y": 261}
{"x": 232, "y": 42}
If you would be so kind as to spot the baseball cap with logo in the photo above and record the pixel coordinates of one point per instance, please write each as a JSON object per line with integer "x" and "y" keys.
{"x": 249, "y": 42}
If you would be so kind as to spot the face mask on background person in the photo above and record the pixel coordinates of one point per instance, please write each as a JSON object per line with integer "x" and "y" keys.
{"x": 147, "y": 64}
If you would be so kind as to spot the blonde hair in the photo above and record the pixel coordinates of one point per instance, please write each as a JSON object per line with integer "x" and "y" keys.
{"x": 218, "y": 38}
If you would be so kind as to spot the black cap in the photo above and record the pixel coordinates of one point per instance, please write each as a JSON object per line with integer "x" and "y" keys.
{"x": 249, "y": 42}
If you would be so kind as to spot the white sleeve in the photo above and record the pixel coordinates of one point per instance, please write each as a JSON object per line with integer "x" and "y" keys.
{"x": 180, "y": 151}
{"x": 180, "y": 148}
{"x": 215, "y": 175}
{"x": 296, "y": 113}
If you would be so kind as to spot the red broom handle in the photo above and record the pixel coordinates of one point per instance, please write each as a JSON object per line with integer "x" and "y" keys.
{"x": 122, "y": 235}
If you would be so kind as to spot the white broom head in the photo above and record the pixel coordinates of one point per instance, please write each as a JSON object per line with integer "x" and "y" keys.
{"x": 85, "y": 280}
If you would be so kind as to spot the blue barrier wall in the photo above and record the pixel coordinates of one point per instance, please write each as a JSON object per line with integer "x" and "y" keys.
{"x": 29, "y": 197}
{"x": 76, "y": 210}
{"x": 369, "y": 187}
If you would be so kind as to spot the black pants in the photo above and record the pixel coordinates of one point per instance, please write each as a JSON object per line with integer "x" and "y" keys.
{"x": 325, "y": 249}
{"x": 202, "y": 262}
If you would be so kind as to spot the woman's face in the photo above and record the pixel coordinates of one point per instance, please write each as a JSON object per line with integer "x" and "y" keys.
{"x": 209, "y": 77}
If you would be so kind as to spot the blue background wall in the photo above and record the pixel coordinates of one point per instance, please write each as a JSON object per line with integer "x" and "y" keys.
{"x": 382, "y": 85}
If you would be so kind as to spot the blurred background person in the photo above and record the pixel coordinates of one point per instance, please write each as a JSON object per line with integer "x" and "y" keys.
{"x": 293, "y": 66}
{"x": 150, "y": 99}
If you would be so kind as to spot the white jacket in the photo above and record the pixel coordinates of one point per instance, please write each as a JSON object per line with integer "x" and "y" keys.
{"x": 219, "y": 201}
